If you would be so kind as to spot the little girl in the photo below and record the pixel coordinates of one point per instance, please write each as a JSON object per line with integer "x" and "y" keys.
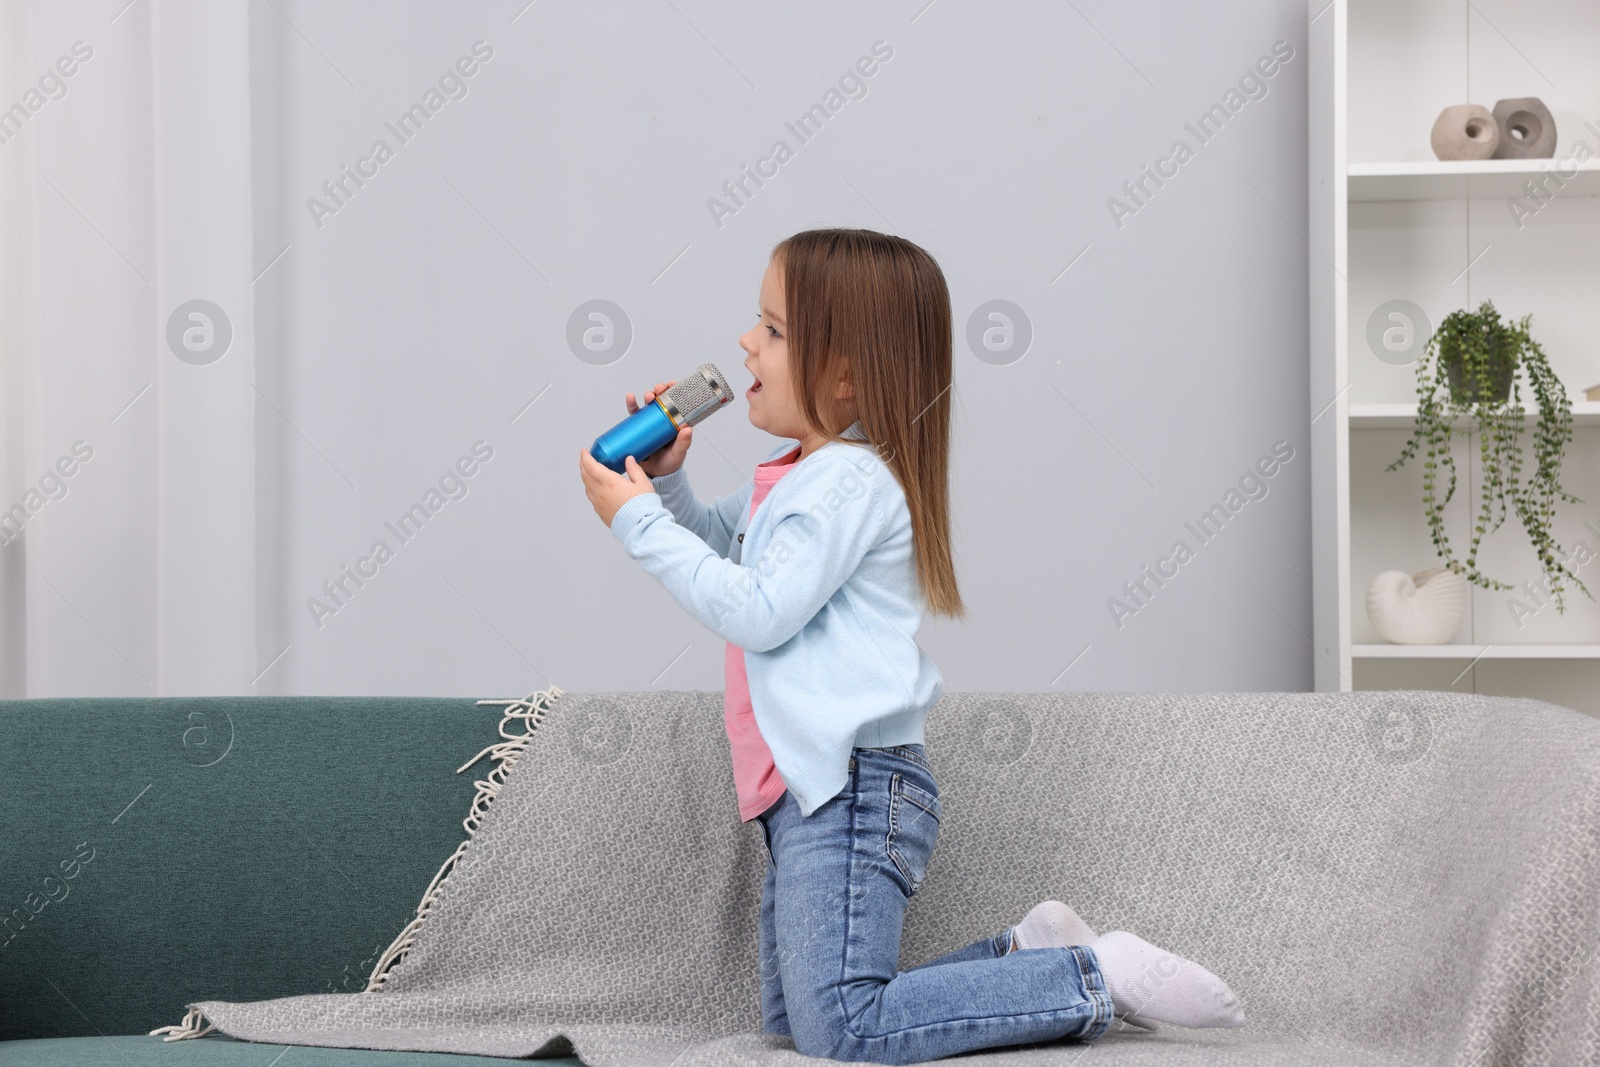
{"x": 818, "y": 585}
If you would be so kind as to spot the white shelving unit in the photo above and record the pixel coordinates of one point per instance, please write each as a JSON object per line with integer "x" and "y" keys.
{"x": 1388, "y": 221}
{"x": 1387, "y": 651}
{"x": 1493, "y": 179}
{"x": 1402, "y": 416}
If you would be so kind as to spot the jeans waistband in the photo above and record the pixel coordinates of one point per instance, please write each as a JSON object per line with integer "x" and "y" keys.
{"x": 915, "y": 753}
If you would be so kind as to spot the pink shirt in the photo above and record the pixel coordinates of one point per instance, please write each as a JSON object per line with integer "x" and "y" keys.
{"x": 755, "y": 777}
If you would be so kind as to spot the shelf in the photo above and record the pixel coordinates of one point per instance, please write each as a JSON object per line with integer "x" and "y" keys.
{"x": 1386, "y": 220}
{"x": 1385, "y": 651}
{"x": 1403, "y": 416}
{"x": 1493, "y": 179}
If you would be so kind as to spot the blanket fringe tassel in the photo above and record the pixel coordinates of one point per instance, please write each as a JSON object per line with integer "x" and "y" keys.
{"x": 190, "y": 1027}
{"x": 530, "y": 711}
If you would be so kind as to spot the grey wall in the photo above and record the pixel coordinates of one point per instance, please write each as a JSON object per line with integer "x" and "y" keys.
{"x": 431, "y": 311}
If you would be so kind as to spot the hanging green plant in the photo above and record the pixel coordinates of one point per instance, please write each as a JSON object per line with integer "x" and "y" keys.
{"x": 1469, "y": 369}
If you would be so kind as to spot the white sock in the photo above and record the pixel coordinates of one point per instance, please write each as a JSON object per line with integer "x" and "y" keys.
{"x": 1146, "y": 982}
{"x": 1051, "y": 924}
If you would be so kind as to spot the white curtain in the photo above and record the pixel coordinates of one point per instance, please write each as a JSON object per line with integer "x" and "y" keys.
{"x": 127, "y": 453}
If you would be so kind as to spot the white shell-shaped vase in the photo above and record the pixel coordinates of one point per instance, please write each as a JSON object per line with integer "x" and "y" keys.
{"x": 1425, "y": 608}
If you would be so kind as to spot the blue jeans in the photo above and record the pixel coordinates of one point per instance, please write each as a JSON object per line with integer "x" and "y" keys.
{"x": 832, "y": 910}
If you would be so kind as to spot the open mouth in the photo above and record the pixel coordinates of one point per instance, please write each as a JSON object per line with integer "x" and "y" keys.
{"x": 754, "y": 389}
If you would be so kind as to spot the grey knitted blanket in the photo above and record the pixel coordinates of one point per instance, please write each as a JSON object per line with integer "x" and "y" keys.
{"x": 1382, "y": 877}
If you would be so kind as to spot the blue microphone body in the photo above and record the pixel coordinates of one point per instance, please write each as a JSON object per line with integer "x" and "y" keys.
{"x": 656, "y": 425}
{"x": 639, "y": 435}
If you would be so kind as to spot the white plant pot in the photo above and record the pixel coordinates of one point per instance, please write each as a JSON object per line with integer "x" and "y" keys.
{"x": 1425, "y": 608}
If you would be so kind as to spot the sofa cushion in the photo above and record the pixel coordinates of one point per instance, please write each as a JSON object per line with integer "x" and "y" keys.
{"x": 168, "y": 850}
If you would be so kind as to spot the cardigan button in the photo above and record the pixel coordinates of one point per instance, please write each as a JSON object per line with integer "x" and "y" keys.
{"x": 741, "y": 539}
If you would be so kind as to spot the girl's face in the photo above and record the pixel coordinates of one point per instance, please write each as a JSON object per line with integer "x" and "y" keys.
{"x": 773, "y": 406}
{"x": 772, "y": 402}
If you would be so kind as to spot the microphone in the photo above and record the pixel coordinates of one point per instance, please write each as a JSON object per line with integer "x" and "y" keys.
{"x": 656, "y": 425}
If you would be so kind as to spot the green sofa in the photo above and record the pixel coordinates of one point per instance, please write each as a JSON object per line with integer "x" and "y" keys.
{"x": 160, "y": 851}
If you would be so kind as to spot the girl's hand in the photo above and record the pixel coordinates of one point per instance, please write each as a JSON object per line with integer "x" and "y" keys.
{"x": 607, "y": 489}
{"x": 668, "y": 458}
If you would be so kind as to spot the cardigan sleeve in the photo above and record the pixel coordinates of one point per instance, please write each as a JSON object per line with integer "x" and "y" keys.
{"x": 817, "y": 540}
{"x": 713, "y": 523}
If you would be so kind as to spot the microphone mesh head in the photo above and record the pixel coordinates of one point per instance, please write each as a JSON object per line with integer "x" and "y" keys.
{"x": 698, "y": 395}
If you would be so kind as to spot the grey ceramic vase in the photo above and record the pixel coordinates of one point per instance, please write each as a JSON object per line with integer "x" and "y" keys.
{"x": 1527, "y": 130}
{"x": 1465, "y": 131}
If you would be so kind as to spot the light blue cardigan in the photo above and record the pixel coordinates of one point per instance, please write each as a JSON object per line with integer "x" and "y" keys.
{"x": 826, "y": 613}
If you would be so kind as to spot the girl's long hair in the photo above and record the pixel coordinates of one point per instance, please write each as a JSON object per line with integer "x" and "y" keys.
{"x": 875, "y": 308}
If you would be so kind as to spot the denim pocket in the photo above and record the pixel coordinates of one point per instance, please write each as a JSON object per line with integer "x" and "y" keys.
{"x": 913, "y": 829}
